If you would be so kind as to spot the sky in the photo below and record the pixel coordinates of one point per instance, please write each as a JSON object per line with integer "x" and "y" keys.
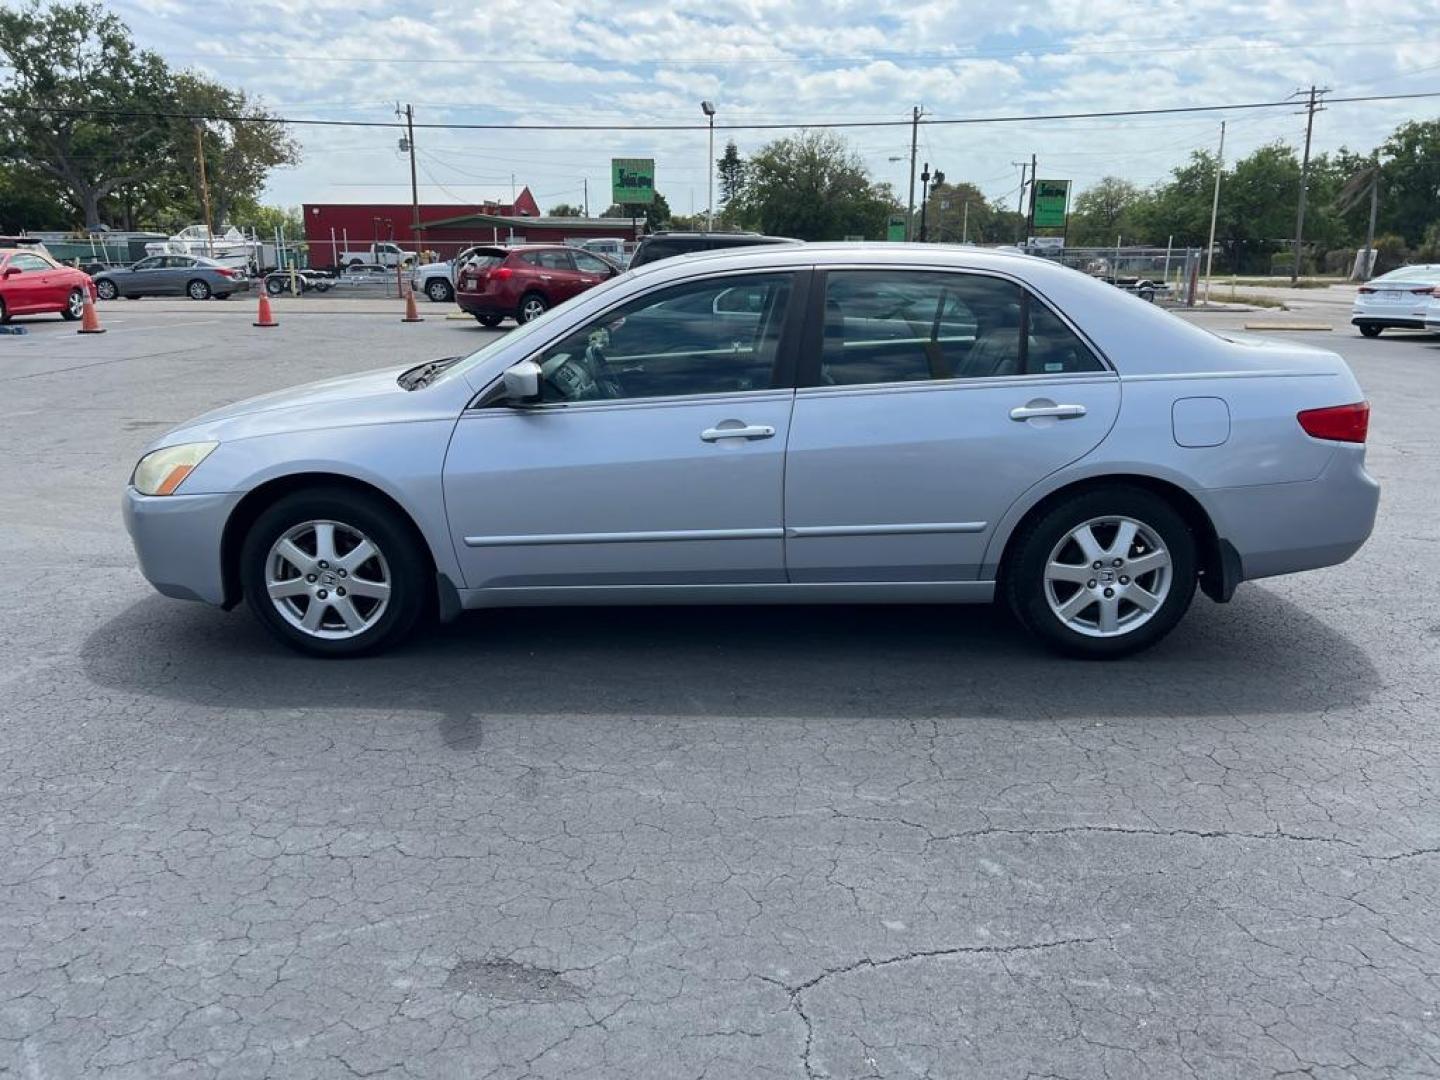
{"x": 779, "y": 61}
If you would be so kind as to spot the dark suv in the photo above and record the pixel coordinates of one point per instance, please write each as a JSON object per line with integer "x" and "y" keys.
{"x": 523, "y": 282}
{"x": 663, "y": 245}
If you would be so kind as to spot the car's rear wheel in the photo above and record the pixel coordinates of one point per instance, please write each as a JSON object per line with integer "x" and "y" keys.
{"x": 1103, "y": 574}
{"x": 105, "y": 289}
{"x": 532, "y": 306}
{"x": 274, "y": 286}
{"x": 4, "y": 312}
{"x": 198, "y": 290}
{"x": 74, "y": 305}
{"x": 1370, "y": 330}
{"x": 439, "y": 290}
{"x": 334, "y": 573}
{"x": 490, "y": 320}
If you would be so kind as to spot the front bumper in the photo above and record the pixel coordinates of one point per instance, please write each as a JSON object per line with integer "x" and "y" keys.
{"x": 177, "y": 540}
{"x": 1285, "y": 528}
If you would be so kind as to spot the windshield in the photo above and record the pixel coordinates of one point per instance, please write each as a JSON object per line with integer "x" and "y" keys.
{"x": 535, "y": 329}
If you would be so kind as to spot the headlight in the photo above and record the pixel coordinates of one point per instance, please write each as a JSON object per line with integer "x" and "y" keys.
{"x": 161, "y": 471}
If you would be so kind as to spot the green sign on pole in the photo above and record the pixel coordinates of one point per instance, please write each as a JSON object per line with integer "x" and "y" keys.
{"x": 895, "y": 229}
{"x": 632, "y": 181}
{"x": 1050, "y": 199}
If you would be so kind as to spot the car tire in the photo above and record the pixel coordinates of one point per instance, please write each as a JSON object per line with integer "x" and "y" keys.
{"x": 222, "y": 296}
{"x": 274, "y": 286}
{"x": 74, "y": 305}
{"x": 1101, "y": 612}
{"x": 439, "y": 291}
{"x": 532, "y": 305}
{"x": 106, "y": 289}
{"x": 1367, "y": 330}
{"x": 197, "y": 290}
{"x": 4, "y": 312}
{"x": 490, "y": 320}
{"x": 346, "y": 621}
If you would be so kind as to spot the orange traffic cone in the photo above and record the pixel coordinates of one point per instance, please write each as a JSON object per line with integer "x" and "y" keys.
{"x": 264, "y": 316}
{"x": 412, "y": 313}
{"x": 90, "y": 320}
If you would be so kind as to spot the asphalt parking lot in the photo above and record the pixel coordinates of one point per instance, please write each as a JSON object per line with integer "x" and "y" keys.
{"x": 829, "y": 842}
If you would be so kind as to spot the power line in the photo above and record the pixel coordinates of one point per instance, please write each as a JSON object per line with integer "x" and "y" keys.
{"x": 768, "y": 126}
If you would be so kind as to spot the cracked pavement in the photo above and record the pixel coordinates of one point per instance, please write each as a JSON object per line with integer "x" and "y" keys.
{"x": 797, "y": 843}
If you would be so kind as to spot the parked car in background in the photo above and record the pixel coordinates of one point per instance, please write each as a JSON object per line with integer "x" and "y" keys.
{"x": 437, "y": 280}
{"x": 612, "y": 248}
{"x": 1396, "y": 300}
{"x": 786, "y": 424}
{"x": 386, "y": 254}
{"x": 172, "y": 275}
{"x": 664, "y": 245}
{"x": 32, "y": 283}
{"x": 493, "y": 283}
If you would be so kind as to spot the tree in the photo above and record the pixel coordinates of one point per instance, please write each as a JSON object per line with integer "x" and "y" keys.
{"x": 656, "y": 214}
{"x": 1102, "y": 212}
{"x": 1410, "y": 179}
{"x": 75, "y": 79}
{"x": 957, "y": 212}
{"x": 814, "y": 187}
{"x": 85, "y": 108}
{"x": 566, "y": 210}
{"x": 730, "y": 170}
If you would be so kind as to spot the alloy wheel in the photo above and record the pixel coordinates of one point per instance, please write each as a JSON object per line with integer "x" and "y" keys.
{"x": 105, "y": 290}
{"x": 328, "y": 579}
{"x": 1108, "y": 576}
{"x": 76, "y": 303}
{"x": 532, "y": 309}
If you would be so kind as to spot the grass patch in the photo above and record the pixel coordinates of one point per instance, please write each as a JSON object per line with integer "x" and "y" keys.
{"x": 1283, "y": 282}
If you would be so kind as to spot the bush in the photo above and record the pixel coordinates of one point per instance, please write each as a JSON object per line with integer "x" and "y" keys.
{"x": 1390, "y": 252}
{"x": 1429, "y": 249}
{"x": 1340, "y": 260}
{"x": 1282, "y": 262}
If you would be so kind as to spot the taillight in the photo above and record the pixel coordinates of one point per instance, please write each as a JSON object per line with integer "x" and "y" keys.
{"x": 1423, "y": 290}
{"x": 1366, "y": 289}
{"x": 500, "y": 273}
{"x": 1342, "y": 423}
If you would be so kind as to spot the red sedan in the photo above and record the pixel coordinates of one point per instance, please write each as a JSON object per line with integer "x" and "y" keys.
{"x": 523, "y": 282}
{"x": 32, "y": 283}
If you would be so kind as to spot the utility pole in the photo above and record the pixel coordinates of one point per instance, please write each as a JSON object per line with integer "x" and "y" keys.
{"x": 1311, "y": 108}
{"x": 1214, "y": 212}
{"x": 1030, "y": 215}
{"x": 1020, "y": 202}
{"x": 1370, "y": 229}
{"x": 414, "y": 184}
{"x": 586, "y": 181}
{"x": 965, "y": 223}
{"x": 708, "y": 108}
{"x": 914, "y": 145}
{"x": 204, "y": 187}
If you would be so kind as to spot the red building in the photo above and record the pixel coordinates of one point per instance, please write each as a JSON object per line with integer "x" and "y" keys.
{"x": 332, "y": 227}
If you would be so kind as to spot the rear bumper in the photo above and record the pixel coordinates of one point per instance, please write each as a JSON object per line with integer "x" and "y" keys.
{"x": 1397, "y": 322}
{"x": 485, "y": 303}
{"x": 177, "y": 541}
{"x": 1285, "y": 528}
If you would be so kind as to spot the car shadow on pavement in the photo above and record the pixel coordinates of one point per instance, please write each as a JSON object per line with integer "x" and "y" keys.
{"x": 1261, "y": 654}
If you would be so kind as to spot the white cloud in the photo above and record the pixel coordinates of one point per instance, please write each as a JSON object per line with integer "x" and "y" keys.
{"x": 588, "y": 61}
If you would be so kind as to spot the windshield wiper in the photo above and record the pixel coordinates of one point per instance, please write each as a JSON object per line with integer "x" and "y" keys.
{"x": 420, "y": 376}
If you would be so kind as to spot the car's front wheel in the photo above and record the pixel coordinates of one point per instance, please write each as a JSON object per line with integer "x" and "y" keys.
{"x": 105, "y": 289}
{"x": 334, "y": 573}
{"x": 1370, "y": 329}
{"x": 198, "y": 290}
{"x": 1103, "y": 574}
{"x": 74, "y": 305}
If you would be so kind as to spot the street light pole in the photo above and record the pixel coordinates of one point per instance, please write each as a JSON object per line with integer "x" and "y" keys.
{"x": 708, "y": 109}
{"x": 914, "y": 143}
{"x": 1215, "y": 212}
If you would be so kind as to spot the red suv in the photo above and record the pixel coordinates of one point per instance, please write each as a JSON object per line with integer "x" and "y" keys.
{"x": 525, "y": 282}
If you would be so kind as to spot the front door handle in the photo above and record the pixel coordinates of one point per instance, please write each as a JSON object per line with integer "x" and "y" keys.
{"x": 736, "y": 429}
{"x": 1059, "y": 412}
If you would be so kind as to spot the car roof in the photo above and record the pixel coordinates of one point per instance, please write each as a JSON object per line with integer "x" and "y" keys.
{"x": 878, "y": 253}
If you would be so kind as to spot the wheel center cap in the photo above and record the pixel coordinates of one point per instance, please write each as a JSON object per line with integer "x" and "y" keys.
{"x": 328, "y": 579}
{"x": 1107, "y": 577}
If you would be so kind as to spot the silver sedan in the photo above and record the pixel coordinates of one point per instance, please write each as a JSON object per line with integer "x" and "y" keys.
{"x": 798, "y": 424}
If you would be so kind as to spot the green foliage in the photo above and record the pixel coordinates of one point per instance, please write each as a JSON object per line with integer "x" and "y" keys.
{"x": 1410, "y": 179}
{"x": 84, "y": 108}
{"x": 814, "y": 187}
{"x": 655, "y": 215}
{"x": 566, "y": 210}
{"x": 1102, "y": 212}
{"x": 730, "y": 171}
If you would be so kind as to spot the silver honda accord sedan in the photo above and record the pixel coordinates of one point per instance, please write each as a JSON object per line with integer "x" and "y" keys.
{"x": 798, "y": 424}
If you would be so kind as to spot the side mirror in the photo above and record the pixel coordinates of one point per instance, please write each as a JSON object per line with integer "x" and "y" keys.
{"x": 522, "y": 383}
{"x": 11, "y": 271}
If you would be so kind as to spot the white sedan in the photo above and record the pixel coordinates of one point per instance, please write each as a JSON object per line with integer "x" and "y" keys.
{"x": 1396, "y": 300}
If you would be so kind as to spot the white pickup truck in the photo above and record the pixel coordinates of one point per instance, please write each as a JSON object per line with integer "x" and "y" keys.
{"x": 384, "y": 253}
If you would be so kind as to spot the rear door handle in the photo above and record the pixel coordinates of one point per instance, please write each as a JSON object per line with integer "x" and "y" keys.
{"x": 1060, "y": 412}
{"x": 737, "y": 431}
